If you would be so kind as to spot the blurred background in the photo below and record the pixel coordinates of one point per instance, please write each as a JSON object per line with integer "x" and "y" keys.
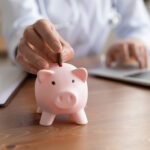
{"x": 111, "y": 39}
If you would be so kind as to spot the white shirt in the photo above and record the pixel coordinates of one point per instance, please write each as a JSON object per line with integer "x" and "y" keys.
{"x": 88, "y": 21}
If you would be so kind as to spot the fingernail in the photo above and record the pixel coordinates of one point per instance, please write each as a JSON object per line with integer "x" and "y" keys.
{"x": 57, "y": 46}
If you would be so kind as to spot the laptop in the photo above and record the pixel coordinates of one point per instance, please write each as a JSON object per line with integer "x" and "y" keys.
{"x": 10, "y": 79}
{"x": 127, "y": 73}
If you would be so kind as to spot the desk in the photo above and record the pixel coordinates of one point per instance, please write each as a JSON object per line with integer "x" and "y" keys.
{"x": 118, "y": 114}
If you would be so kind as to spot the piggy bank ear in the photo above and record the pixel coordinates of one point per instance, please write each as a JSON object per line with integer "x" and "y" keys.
{"x": 42, "y": 75}
{"x": 81, "y": 73}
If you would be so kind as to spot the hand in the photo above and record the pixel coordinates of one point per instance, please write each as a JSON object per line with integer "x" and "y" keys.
{"x": 40, "y": 45}
{"x": 123, "y": 50}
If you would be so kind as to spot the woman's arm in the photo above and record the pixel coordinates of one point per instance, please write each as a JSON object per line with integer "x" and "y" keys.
{"x": 135, "y": 21}
{"x": 16, "y": 16}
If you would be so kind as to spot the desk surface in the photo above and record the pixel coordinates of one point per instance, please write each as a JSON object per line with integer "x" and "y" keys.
{"x": 118, "y": 114}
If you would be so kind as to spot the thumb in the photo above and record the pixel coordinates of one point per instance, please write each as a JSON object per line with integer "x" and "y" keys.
{"x": 109, "y": 59}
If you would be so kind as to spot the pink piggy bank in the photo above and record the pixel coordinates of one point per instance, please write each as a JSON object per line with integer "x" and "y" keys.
{"x": 62, "y": 90}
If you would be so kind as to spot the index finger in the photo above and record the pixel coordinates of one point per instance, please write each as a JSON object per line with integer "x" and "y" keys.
{"x": 48, "y": 33}
{"x": 135, "y": 52}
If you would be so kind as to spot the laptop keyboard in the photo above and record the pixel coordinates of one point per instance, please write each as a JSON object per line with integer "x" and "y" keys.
{"x": 143, "y": 75}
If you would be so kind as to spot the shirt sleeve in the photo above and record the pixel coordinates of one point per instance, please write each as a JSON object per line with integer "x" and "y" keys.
{"x": 135, "y": 22}
{"x": 16, "y": 16}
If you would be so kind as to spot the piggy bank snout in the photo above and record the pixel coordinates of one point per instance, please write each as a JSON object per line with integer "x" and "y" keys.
{"x": 66, "y": 100}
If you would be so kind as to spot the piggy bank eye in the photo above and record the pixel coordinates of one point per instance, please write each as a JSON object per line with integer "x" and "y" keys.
{"x": 53, "y": 82}
{"x": 73, "y": 81}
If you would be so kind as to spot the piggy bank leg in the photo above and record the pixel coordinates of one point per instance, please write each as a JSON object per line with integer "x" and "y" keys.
{"x": 39, "y": 110}
{"x": 47, "y": 118}
{"x": 80, "y": 117}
